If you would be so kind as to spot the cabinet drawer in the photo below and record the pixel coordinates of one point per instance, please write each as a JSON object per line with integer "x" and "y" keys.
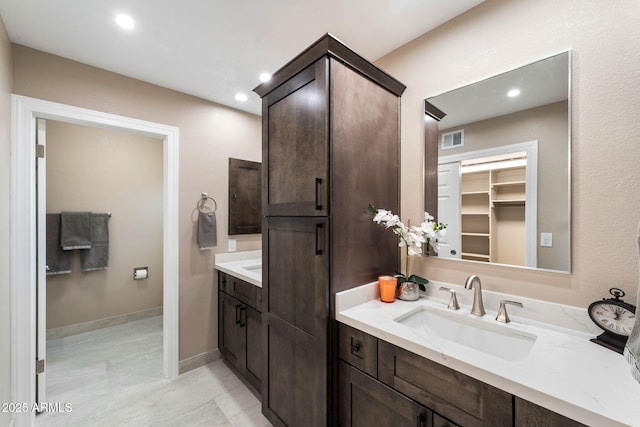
{"x": 359, "y": 349}
{"x": 223, "y": 282}
{"x": 463, "y": 400}
{"x": 528, "y": 414}
{"x": 245, "y": 292}
{"x": 258, "y": 305}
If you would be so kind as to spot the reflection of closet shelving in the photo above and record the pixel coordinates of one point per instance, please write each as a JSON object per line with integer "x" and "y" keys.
{"x": 484, "y": 195}
{"x": 476, "y": 216}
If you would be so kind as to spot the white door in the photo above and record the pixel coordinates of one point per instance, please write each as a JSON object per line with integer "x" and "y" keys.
{"x": 449, "y": 208}
{"x": 41, "y": 263}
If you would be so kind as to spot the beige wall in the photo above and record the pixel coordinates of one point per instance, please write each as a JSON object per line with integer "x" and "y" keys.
{"x": 5, "y": 300}
{"x": 547, "y": 125}
{"x": 209, "y": 135}
{"x": 501, "y": 35}
{"x": 103, "y": 170}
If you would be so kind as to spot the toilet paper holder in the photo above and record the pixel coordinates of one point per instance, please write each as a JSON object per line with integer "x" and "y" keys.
{"x": 140, "y": 273}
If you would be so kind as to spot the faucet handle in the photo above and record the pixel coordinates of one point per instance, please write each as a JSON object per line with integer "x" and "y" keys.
{"x": 502, "y": 311}
{"x": 453, "y": 301}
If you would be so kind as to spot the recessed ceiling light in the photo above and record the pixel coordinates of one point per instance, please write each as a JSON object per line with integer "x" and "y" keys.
{"x": 241, "y": 97}
{"x": 265, "y": 77}
{"x": 125, "y": 21}
{"x": 513, "y": 92}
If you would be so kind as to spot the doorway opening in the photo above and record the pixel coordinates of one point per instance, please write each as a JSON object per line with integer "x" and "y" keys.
{"x": 24, "y": 267}
{"x": 488, "y": 198}
{"x": 112, "y": 179}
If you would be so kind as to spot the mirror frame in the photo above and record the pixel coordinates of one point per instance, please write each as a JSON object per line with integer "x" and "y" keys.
{"x": 433, "y": 115}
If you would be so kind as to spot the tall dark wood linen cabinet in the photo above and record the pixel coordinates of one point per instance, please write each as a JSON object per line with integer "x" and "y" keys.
{"x": 330, "y": 147}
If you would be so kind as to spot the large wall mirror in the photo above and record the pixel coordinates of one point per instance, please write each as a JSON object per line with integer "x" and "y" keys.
{"x": 498, "y": 167}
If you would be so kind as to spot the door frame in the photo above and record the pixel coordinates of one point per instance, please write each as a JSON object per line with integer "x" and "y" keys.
{"x": 24, "y": 113}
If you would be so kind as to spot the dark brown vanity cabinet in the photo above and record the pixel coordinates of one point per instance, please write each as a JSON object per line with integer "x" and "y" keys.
{"x": 240, "y": 327}
{"x": 330, "y": 148}
{"x": 384, "y": 385}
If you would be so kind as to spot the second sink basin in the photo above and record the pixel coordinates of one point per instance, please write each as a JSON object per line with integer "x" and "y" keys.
{"x": 492, "y": 338}
{"x": 257, "y": 268}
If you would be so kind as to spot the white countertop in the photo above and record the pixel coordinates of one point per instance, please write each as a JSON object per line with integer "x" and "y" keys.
{"x": 563, "y": 372}
{"x": 246, "y": 265}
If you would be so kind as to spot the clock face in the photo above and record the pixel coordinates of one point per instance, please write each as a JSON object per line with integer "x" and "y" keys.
{"x": 612, "y": 318}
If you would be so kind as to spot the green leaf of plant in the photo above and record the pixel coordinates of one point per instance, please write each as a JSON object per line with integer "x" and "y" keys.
{"x": 401, "y": 278}
{"x": 419, "y": 280}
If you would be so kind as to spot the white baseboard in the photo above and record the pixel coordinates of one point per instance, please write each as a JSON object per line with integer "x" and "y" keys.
{"x": 78, "y": 328}
{"x": 199, "y": 360}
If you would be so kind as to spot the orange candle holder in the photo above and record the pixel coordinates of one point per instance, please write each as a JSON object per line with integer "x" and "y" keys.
{"x": 387, "y": 285}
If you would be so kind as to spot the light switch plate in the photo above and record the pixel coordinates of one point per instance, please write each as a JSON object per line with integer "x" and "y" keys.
{"x": 546, "y": 239}
{"x": 232, "y": 245}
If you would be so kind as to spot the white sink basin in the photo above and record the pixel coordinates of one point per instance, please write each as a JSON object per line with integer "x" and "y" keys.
{"x": 483, "y": 334}
{"x": 257, "y": 269}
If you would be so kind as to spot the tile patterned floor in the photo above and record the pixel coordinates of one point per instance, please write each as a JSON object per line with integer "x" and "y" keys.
{"x": 113, "y": 377}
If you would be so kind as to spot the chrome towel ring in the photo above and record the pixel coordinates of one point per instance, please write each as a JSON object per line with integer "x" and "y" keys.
{"x": 202, "y": 203}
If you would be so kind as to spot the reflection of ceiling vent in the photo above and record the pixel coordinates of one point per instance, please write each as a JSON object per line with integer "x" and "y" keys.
{"x": 453, "y": 139}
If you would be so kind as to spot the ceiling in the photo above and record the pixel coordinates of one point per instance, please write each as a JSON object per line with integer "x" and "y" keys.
{"x": 215, "y": 49}
{"x": 540, "y": 83}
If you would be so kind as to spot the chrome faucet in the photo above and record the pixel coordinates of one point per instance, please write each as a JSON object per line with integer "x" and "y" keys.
{"x": 473, "y": 282}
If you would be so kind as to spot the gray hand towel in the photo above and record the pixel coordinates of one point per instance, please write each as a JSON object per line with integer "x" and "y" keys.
{"x": 58, "y": 260}
{"x": 75, "y": 230}
{"x": 632, "y": 349}
{"x": 97, "y": 258}
{"x": 207, "y": 230}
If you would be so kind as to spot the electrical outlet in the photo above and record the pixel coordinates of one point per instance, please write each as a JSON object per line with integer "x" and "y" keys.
{"x": 232, "y": 245}
{"x": 546, "y": 239}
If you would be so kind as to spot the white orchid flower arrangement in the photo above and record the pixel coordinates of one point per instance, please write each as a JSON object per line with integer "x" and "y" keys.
{"x": 413, "y": 238}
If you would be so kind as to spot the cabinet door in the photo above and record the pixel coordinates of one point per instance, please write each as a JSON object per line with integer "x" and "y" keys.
{"x": 254, "y": 352}
{"x": 296, "y": 269}
{"x": 295, "y": 145}
{"x": 231, "y": 333}
{"x": 366, "y": 402}
{"x": 245, "y": 197}
{"x": 295, "y": 315}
